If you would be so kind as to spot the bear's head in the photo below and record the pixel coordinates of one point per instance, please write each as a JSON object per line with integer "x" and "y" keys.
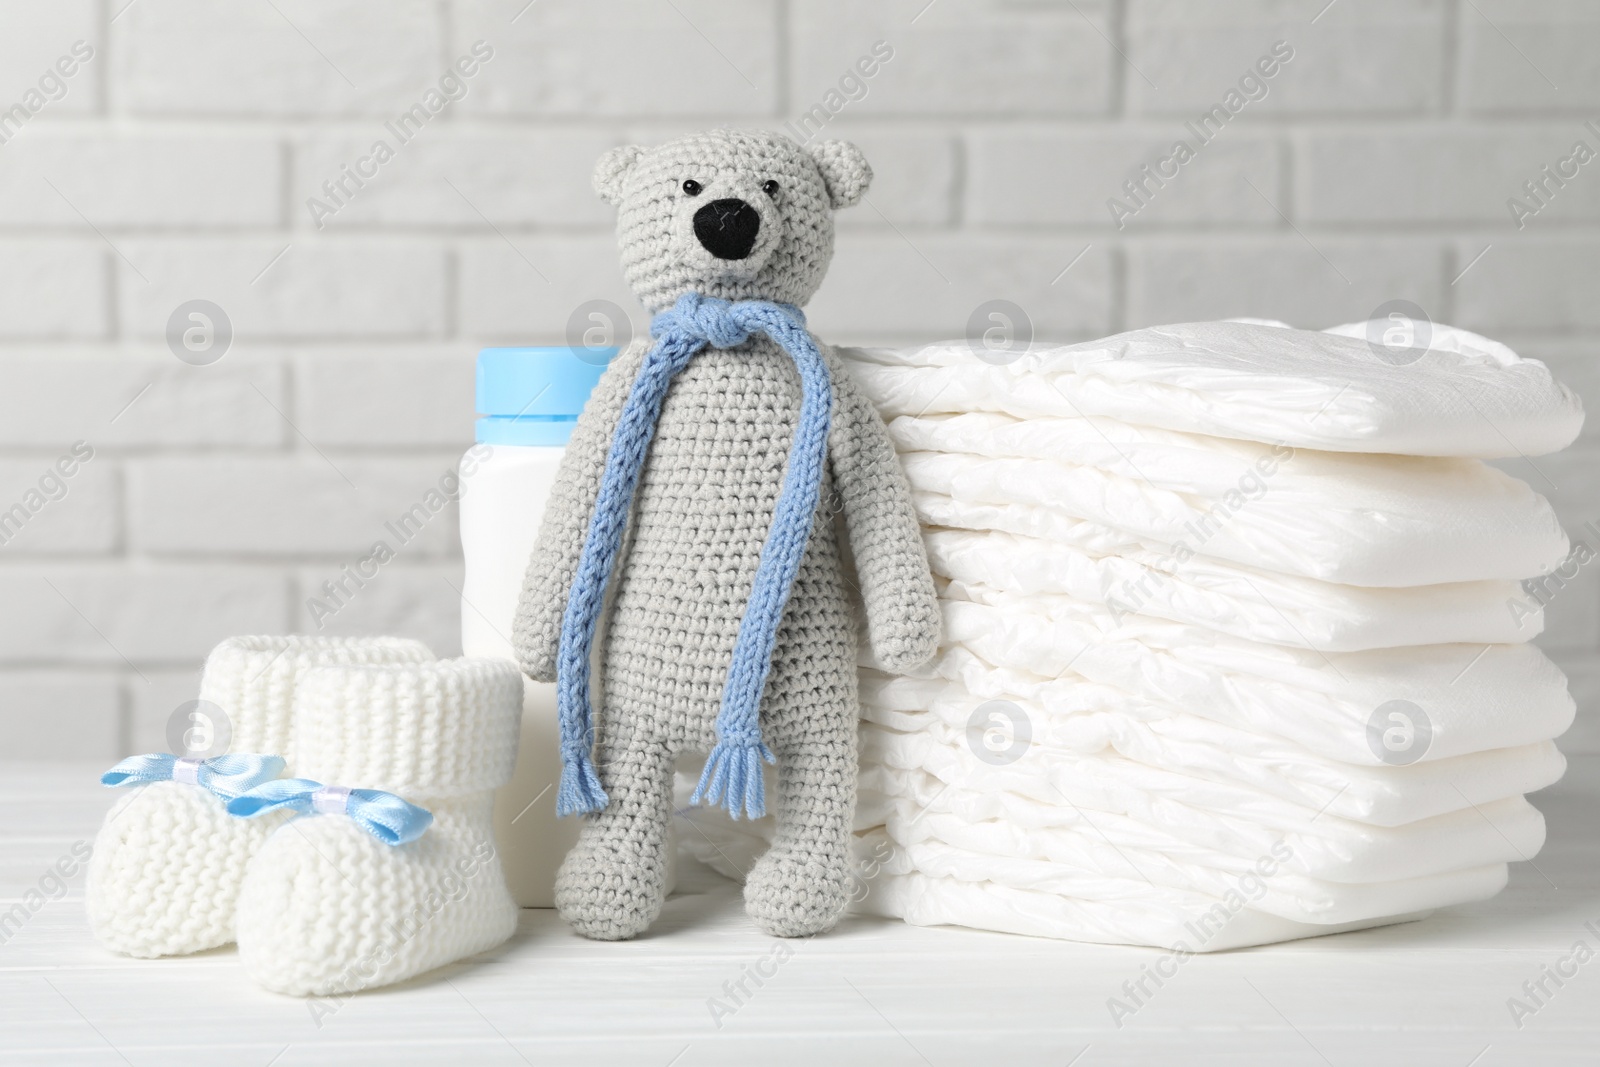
{"x": 736, "y": 214}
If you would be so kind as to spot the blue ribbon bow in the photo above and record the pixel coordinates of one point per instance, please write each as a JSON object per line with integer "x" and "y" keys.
{"x": 225, "y": 776}
{"x": 383, "y": 815}
{"x": 733, "y": 768}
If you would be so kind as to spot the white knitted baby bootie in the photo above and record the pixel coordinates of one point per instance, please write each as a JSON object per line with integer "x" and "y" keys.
{"x": 168, "y": 861}
{"x": 361, "y": 890}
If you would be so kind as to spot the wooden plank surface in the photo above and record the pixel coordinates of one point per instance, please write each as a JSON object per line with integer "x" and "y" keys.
{"x": 873, "y": 992}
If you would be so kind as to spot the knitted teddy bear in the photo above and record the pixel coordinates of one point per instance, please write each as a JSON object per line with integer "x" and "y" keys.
{"x": 722, "y": 449}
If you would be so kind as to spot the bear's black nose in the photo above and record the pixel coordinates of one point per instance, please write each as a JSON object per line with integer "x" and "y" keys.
{"x": 727, "y": 228}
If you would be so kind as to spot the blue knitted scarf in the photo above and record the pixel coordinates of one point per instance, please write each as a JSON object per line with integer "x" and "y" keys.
{"x": 733, "y": 769}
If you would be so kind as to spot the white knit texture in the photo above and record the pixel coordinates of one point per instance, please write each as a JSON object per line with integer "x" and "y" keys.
{"x": 253, "y": 679}
{"x": 168, "y": 862}
{"x": 435, "y": 729}
{"x": 327, "y": 908}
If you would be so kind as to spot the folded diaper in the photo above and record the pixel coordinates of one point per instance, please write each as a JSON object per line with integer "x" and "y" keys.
{"x": 1079, "y": 873}
{"x": 1132, "y": 807}
{"x": 1365, "y": 520}
{"x": 1139, "y": 914}
{"x": 1105, "y": 721}
{"x": 1228, "y": 597}
{"x": 1461, "y": 395}
{"x": 1324, "y": 701}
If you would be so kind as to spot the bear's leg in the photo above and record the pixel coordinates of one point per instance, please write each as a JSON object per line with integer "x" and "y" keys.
{"x": 612, "y": 883}
{"x": 801, "y": 886}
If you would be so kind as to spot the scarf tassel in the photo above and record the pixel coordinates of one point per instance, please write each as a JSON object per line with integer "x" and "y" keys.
{"x": 579, "y": 792}
{"x": 733, "y": 777}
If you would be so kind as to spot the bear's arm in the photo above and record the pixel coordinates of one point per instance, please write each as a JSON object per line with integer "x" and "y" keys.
{"x": 897, "y": 590}
{"x": 536, "y": 631}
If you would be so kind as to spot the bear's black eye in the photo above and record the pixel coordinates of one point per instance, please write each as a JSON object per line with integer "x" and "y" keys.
{"x": 769, "y": 187}
{"x": 692, "y": 187}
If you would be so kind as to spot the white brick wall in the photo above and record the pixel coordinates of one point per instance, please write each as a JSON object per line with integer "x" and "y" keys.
{"x": 56, "y": 179}
{"x": 177, "y": 161}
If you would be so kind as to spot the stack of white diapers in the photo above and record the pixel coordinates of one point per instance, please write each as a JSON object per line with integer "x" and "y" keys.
{"x": 1236, "y": 646}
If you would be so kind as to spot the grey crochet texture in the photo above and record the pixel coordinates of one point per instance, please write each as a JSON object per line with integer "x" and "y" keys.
{"x": 701, "y": 514}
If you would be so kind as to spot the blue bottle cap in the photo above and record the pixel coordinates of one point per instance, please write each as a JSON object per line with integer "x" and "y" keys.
{"x": 532, "y": 396}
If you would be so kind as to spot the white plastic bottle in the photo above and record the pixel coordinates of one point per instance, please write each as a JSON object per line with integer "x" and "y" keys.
{"x": 528, "y": 400}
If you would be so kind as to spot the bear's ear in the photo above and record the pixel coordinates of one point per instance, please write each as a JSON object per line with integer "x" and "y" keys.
{"x": 844, "y": 171}
{"x": 612, "y": 170}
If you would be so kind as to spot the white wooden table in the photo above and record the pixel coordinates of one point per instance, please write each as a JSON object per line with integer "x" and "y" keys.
{"x": 873, "y": 992}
